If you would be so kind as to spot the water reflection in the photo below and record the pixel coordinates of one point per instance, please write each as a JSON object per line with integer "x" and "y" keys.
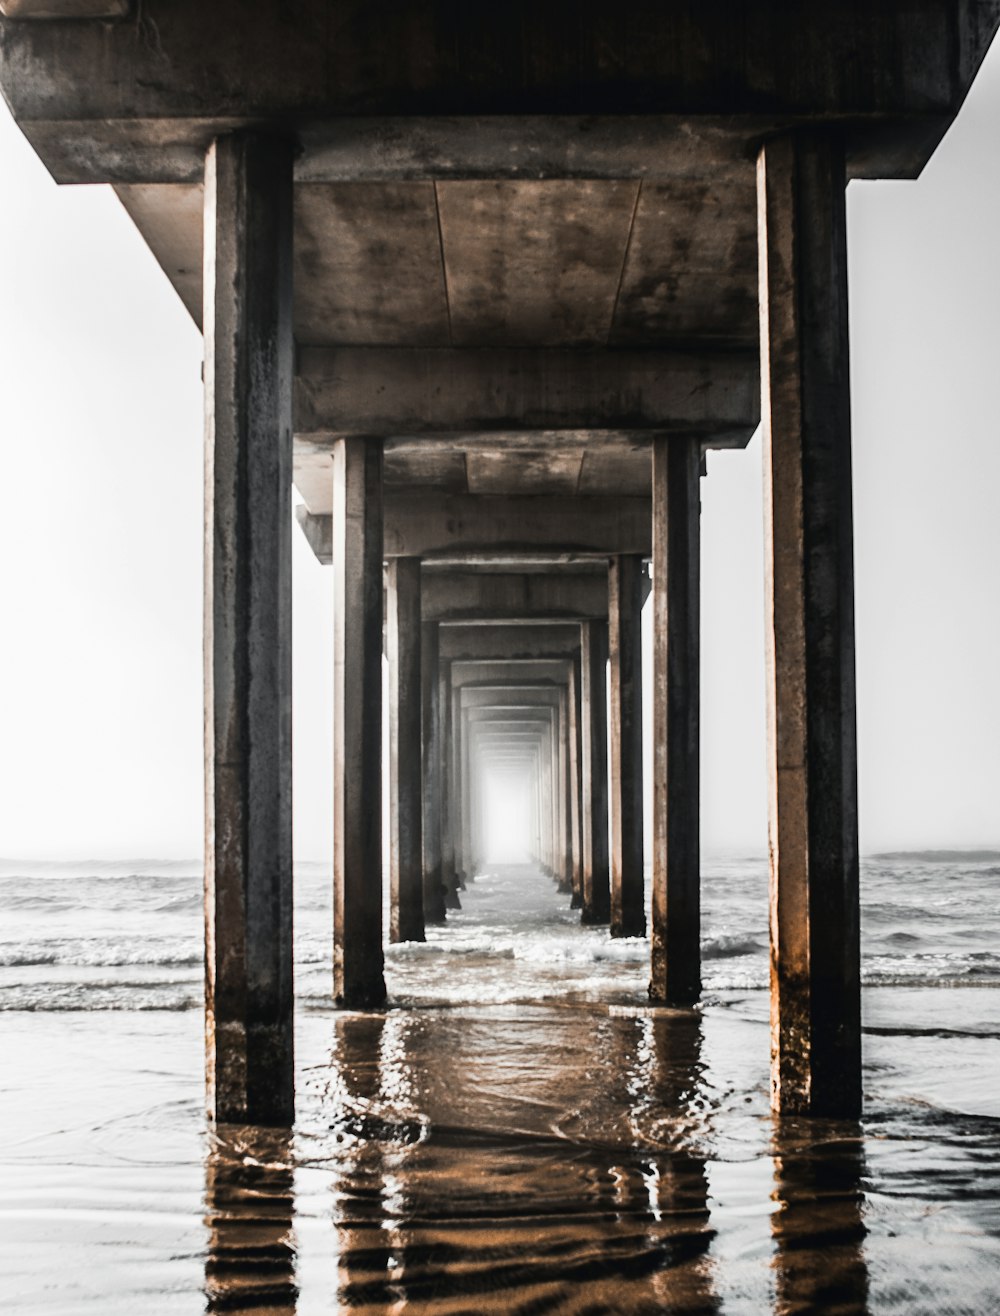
{"x": 249, "y": 1202}
{"x": 522, "y": 1159}
{"x": 818, "y": 1228}
{"x": 492, "y": 1163}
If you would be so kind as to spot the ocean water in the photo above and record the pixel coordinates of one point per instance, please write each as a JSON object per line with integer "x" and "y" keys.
{"x": 520, "y": 1131}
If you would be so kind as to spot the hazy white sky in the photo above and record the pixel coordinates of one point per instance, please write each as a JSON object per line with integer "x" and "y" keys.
{"x": 100, "y": 533}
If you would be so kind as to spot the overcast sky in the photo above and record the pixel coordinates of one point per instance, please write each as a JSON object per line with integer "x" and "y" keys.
{"x": 100, "y": 533}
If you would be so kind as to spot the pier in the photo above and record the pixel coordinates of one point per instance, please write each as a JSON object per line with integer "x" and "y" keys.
{"x": 486, "y": 286}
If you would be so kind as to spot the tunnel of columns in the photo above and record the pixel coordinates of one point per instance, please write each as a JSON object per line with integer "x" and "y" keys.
{"x": 487, "y": 284}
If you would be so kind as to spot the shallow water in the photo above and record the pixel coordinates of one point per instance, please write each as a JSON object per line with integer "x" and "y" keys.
{"x": 521, "y": 1131}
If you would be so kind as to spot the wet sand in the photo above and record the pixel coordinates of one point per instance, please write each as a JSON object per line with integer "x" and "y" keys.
{"x": 584, "y": 1154}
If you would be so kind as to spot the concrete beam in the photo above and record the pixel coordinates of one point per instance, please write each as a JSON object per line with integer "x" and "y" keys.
{"x": 497, "y": 644}
{"x": 406, "y": 95}
{"x": 425, "y": 524}
{"x": 477, "y": 596}
{"x": 22, "y": 9}
{"x": 392, "y": 391}
{"x": 248, "y": 641}
{"x": 813, "y": 843}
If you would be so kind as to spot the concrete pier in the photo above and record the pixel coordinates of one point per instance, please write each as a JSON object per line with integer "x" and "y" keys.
{"x": 625, "y": 591}
{"x": 813, "y": 828}
{"x": 248, "y": 642}
{"x": 406, "y": 854}
{"x": 676, "y": 910}
{"x": 358, "y": 959}
{"x": 537, "y": 272}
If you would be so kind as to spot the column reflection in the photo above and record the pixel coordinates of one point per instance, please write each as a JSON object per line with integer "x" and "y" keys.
{"x": 818, "y": 1227}
{"x": 249, "y": 1205}
{"x": 367, "y": 1259}
{"x": 678, "y": 1184}
{"x": 511, "y": 1160}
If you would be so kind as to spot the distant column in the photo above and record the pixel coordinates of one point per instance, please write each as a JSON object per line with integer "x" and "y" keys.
{"x": 564, "y": 831}
{"x": 595, "y": 878}
{"x": 248, "y": 601}
{"x": 449, "y": 874}
{"x": 357, "y": 740}
{"x": 406, "y": 858}
{"x": 628, "y": 915}
{"x": 676, "y": 931}
{"x": 805, "y": 408}
{"x": 573, "y": 733}
{"x": 430, "y": 682}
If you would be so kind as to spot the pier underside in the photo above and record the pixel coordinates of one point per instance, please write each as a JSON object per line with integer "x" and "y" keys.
{"x": 486, "y": 284}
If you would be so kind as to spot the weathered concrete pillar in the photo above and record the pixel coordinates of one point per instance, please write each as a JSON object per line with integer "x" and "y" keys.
{"x": 805, "y": 407}
{"x": 449, "y": 875}
{"x": 248, "y": 642}
{"x": 564, "y": 832}
{"x": 676, "y": 931}
{"x": 573, "y": 735}
{"x": 406, "y": 858}
{"x": 467, "y": 867}
{"x": 595, "y": 877}
{"x": 628, "y": 915}
{"x": 357, "y": 739}
{"x": 430, "y": 682}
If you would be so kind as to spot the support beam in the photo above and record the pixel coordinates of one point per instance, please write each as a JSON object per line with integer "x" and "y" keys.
{"x": 815, "y": 958}
{"x": 357, "y": 837}
{"x": 248, "y": 602}
{"x": 406, "y": 885}
{"x": 435, "y": 391}
{"x": 595, "y": 875}
{"x": 556, "y": 596}
{"x": 625, "y": 593}
{"x": 430, "y": 685}
{"x": 425, "y": 523}
{"x": 676, "y": 951}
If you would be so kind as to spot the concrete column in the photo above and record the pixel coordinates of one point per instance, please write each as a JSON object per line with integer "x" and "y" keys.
{"x": 406, "y": 858}
{"x": 628, "y": 916}
{"x": 467, "y": 867}
{"x": 248, "y": 643}
{"x": 805, "y": 408}
{"x": 457, "y": 802}
{"x": 576, "y": 841}
{"x": 430, "y": 683}
{"x": 449, "y": 874}
{"x": 357, "y": 739}
{"x": 676, "y": 931}
{"x": 595, "y": 876}
{"x": 564, "y": 828}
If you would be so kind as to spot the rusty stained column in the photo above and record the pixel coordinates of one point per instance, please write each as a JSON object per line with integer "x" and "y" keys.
{"x": 813, "y": 820}
{"x": 357, "y": 740}
{"x": 406, "y": 859}
{"x": 595, "y": 876}
{"x": 430, "y": 753}
{"x": 676, "y": 931}
{"x": 248, "y": 642}
{"x": 628, "y": 915}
